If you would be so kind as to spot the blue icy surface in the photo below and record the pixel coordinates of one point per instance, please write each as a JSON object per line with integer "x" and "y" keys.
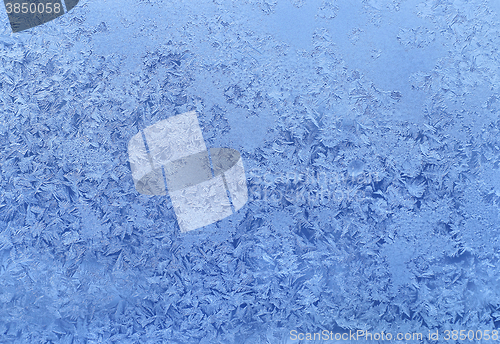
{"x": 370, "y": 136}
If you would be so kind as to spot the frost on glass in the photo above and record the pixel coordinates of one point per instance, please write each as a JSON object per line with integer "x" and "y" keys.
{"x": 360, "y": 216}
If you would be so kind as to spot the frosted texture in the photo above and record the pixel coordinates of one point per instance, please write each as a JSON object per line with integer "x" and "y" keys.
{"x": 370, "y": 137}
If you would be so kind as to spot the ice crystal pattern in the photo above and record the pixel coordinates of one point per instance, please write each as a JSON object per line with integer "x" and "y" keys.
{"x": 358, "y": 217}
